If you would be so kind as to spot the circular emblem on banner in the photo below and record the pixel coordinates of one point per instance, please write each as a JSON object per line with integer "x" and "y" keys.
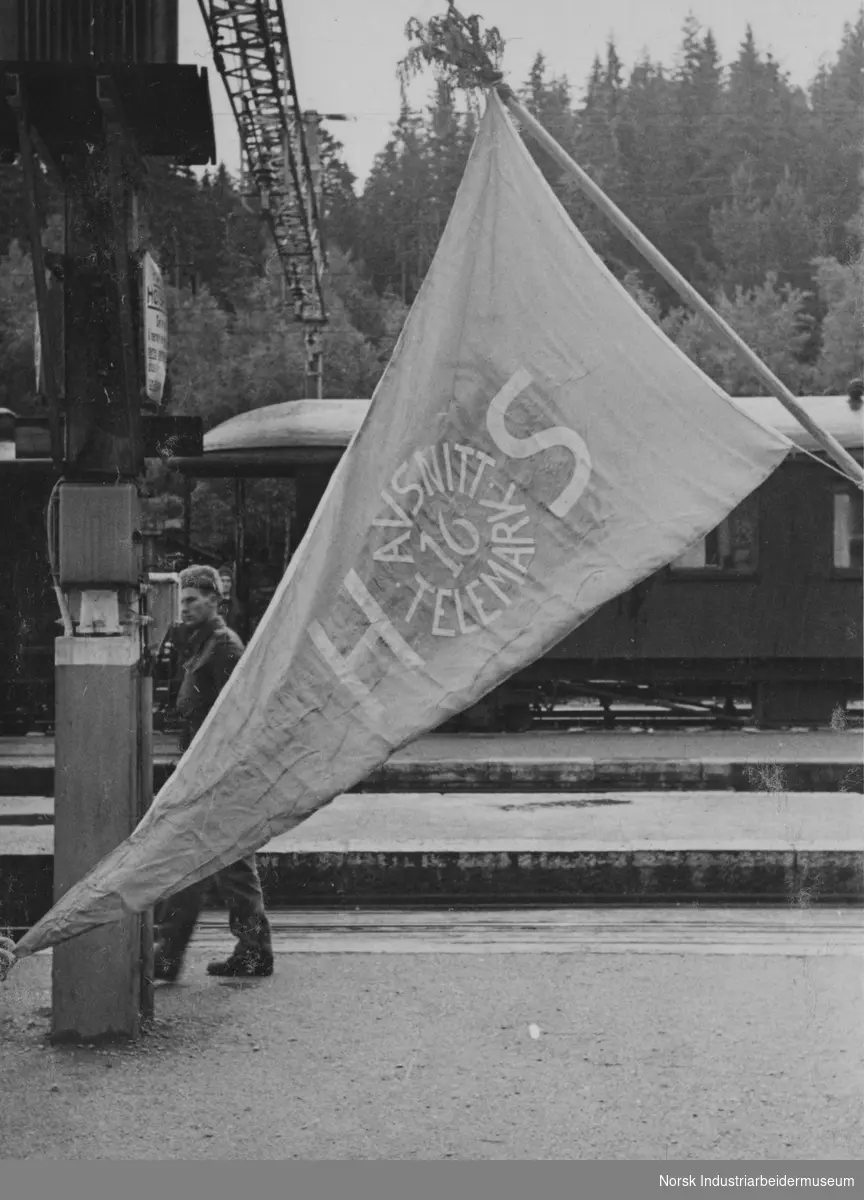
{"x": 460, "y": 539}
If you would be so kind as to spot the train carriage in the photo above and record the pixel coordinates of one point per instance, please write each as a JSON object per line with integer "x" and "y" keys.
{"x": 761, "y": 621}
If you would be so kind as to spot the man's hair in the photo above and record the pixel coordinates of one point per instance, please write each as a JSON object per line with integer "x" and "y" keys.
{"x": 204, "y": 579}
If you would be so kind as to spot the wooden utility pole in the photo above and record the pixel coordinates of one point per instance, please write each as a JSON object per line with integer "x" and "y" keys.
{"x": 89, "y": 98}
{"x": 102, "y": 984}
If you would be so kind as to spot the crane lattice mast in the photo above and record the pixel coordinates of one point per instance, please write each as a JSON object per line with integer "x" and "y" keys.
{"x": 249, "y": 39}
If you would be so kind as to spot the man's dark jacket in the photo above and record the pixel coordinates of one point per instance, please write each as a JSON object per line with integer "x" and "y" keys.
{"x": 210, "y": 655}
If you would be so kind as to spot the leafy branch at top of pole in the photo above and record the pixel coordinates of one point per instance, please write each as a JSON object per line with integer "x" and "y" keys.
{"x": 461, "y": 55}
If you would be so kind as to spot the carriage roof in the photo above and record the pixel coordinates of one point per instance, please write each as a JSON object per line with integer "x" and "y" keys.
{"x": 280, "y": 439}
{"x": 317, "y": 431}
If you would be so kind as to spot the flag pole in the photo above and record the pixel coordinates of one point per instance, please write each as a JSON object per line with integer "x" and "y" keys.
{"x": 686, "y": 291}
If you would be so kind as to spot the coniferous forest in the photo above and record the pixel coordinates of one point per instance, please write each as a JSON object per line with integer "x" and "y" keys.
{"x": 751, "y": 186}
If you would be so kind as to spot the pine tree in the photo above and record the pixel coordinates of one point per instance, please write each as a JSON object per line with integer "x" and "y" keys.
{"x": 841, "y": 354}
{"x": 340, "y": 215}
{"x": 772, "y": 319}
{"x": 697, "y": 175}
{"x": 764, "y": 119}
{"x": 835, "y": 157}
{"x": 393, "y": 210}
{"x": 202, "y": 234}
{"x": 649, "y": 154}
{"x": 753, "y": 238}
{"x": 407, "y": 199}
{"x": 550, "y": 101}
{"x": 600, "y": 115}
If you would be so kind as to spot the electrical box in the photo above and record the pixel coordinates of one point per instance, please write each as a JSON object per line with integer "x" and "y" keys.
{"x": 100, "y": 545}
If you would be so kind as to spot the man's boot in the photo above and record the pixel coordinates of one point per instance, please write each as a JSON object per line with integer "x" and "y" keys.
{"x": 244, "y": 964}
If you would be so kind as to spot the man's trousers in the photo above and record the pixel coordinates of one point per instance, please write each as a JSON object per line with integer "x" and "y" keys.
{"x": 239, "y": 888}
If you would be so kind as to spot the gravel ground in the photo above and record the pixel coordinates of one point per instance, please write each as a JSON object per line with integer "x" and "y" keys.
{"x": 431, "y": 1056}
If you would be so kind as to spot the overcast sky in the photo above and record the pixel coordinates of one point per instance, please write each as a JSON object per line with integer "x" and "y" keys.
{"x": 345, "y": 51}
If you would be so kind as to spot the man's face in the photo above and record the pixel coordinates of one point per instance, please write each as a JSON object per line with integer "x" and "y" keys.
{"x": 197, "y": 607}
{"x": 225, "y": 581}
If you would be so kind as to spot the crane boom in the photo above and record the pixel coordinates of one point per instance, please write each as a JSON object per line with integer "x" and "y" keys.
{"x": 249, "y": 39}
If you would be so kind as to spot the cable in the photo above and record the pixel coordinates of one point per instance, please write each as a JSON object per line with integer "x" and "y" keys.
{"x": 50, "y": 531}
{"x": 824, "y": 462}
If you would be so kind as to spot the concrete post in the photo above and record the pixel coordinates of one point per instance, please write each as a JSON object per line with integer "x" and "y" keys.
{"x": 101, "y": 981}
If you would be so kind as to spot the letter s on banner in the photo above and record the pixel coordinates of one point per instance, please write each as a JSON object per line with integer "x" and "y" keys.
{"x": 558, "y": 435}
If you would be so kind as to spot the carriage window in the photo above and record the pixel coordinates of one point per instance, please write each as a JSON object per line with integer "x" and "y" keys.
{"x": 848, "y": 519}
{"x": 731, "y": 548}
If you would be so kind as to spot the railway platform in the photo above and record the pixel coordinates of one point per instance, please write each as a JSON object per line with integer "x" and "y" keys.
{"x": 632, "y": 847}
{"x": 542, "y": 818}
{"x": 580, "y": 760}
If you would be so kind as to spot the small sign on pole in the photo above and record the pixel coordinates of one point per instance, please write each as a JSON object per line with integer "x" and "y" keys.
{"x": 155, "y": 330}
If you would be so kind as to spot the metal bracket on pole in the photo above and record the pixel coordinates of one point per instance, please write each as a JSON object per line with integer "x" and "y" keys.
{"x": 29, "y": 142}
{"x": 16, "y": 99}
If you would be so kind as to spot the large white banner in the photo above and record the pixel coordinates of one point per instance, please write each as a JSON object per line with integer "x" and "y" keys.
{"x": 535, "y": 447}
